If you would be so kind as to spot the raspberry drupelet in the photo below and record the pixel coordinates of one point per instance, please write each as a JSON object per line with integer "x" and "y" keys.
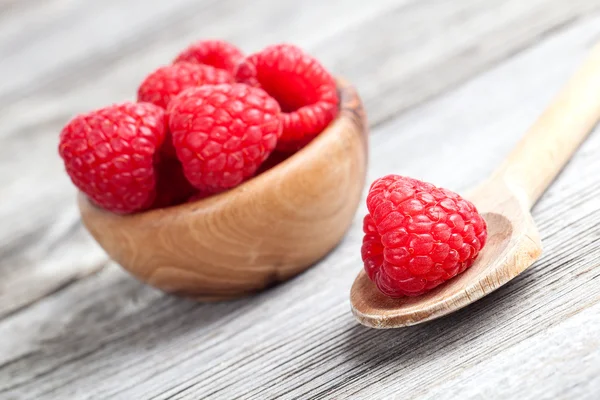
{"x": 305, "y": 90}
{"x": 223, "y": 133}
{"x": 418, "y": 236}
{"x": 110, "y": 154}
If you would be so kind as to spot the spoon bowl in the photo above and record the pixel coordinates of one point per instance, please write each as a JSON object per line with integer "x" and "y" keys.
{"x": 513, "y": 244}
{"x": 266, "y": 230}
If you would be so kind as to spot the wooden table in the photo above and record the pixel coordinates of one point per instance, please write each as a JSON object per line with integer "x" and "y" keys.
{"x": 449, "y": 87}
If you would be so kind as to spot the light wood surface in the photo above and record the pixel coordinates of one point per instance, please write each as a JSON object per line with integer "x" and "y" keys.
{"x": 447, "y": 80}
{"x": 265, "y": 231}
{"x": 504, "y": 201}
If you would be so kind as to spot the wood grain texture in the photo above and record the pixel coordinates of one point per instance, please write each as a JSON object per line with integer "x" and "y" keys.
{"x": 432, "y": 46}
{"x": 264, "y": 231}
{"x": 109, "y": 336}
{"x": 110, "y": 46}
{"x": 140, "y": 35}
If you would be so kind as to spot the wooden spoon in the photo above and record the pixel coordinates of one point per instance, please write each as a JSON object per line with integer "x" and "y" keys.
{"x": 504, "y": 200}
{"x": 266, "y": 230}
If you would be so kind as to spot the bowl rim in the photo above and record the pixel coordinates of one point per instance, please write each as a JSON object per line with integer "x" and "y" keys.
{"x": 350, "y": 106}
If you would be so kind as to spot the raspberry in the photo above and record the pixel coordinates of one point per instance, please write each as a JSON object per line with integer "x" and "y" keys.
{"x": 216, "y": 53}
{"x": 110, "y": 154}
{"x": 305, "y": 91}
{"x": 172, "y": 187}
{"x": 166, "y": 82}
{"x": 222, "y": 133}
{"x": 418, "y": 236}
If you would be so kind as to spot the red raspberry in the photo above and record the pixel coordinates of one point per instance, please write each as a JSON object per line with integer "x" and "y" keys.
{"x": 166, "y": 82}
{"x": 172, "y": 187}
{"x": 216, "y": 53}
{"x": 222, "y": 133}
{"x": 305, "y": 91}
{"x": 418, "y": 236}
{"x": 110, "y": 154}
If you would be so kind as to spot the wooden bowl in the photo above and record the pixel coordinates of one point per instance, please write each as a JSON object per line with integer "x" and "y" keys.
{"x": 266, "y": 230}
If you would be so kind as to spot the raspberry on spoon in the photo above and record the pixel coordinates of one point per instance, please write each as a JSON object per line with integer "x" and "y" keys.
{"x": 418, "y": 236}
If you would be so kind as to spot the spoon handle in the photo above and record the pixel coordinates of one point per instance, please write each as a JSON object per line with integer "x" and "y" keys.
{"x": 558, "y": 132}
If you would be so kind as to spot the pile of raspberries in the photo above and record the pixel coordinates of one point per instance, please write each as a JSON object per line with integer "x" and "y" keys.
{"x": 211, "y": 120}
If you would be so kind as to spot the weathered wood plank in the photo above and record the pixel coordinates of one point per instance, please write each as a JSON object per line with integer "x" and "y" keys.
{"x": 435, "y": 45}
{"x": 416, "y": 62}
{"x": 573, "y": 353}
{"x": 103, "y": 34}
{"x": 108, "y": 336}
